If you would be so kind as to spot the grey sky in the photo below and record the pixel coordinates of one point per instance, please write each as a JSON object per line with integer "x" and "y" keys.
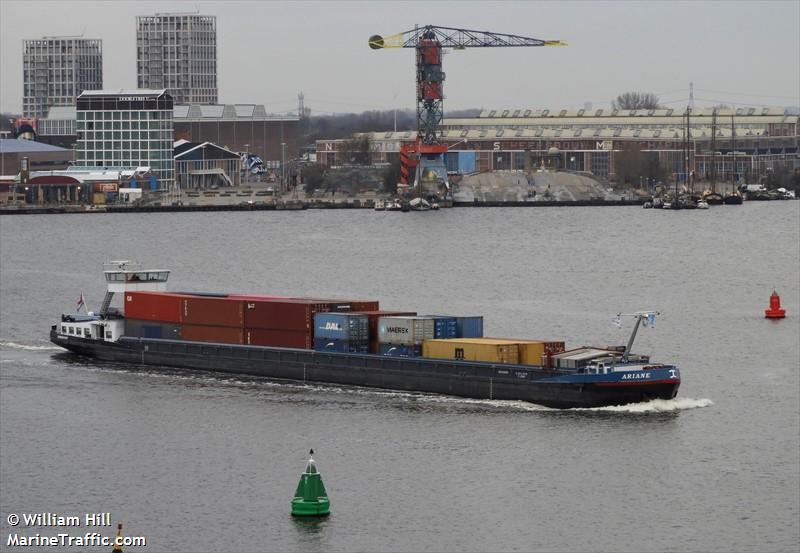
{"x": 734, "y": 52}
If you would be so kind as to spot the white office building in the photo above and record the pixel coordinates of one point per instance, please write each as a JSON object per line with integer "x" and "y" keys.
{"x": 127, "y": 128}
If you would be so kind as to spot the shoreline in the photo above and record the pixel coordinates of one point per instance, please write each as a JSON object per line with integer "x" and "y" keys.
{"x": 289, "y": 206}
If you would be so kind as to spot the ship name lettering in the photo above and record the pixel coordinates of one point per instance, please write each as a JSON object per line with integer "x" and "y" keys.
{"x": 635, "y": 376}
{"x": 397, "y": 329}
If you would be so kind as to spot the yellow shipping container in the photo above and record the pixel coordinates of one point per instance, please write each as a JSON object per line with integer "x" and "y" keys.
{"x": 533, "y": 352}
{"x": 530, "y": 353}
{"x": 99, "y": 198}
{"x": 487, "y": 350}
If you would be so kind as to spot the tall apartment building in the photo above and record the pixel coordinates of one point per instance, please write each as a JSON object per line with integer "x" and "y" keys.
{"x": 133, "y": 128}
{"x": 55, "y": 70}
{"x": 178, "y": 52}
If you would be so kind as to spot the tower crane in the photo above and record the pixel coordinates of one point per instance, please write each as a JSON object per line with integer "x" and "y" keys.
{"x": 425, "y": 156}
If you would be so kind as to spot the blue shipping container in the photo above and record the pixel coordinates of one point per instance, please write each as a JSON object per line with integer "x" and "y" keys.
{"x": 466, "y": 162}
{"x": 152, "y": 331}
{"x": 342, "y": 326}
{"x": 340, "y": 346}
{"x": 400, "y": 350}
{"x": 444, "y": 326}
{"x": 469, "y": 327}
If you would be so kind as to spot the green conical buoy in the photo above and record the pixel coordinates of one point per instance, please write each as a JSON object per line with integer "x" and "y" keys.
{"x": 310, "y": 499}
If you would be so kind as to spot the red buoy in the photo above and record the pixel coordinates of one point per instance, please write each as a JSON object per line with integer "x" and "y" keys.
{"x": 774, "y": 311}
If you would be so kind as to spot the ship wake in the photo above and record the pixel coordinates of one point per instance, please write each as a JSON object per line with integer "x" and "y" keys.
{"x": 654, "y": 406}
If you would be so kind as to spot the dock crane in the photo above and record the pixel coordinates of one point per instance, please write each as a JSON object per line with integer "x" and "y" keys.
{"x": 425, "y": 156}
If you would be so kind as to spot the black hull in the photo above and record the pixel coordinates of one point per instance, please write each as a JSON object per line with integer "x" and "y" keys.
{"x": 440, "y": 376}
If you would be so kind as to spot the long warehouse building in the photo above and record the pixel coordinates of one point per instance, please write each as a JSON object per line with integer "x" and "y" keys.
{"x": 742, "y": 143}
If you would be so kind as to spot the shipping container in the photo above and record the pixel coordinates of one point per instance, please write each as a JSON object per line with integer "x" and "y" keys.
{"x": 259, "y": 297}
{"x": 400, "y": 350}
{"x": 212, "y": 311}
{"x": 352, "y": 327}
{"x": 209, "y": 333}
{"x": 339, "y": 305}
{"x": 444, "y": 326}
{"x": 537, "y": 352}
{"x": 340, "y": 346}
{"x": 279, "y": 338}
{"x": 152, "y": 329}
{"x": 373, "y": 317}
{"x": 473, "y": 349}
{"x": 405, "y": 330}
{"x": 469, "y": 327}
{"x": 153, "y": 306}
{"x": 291, "y": 314}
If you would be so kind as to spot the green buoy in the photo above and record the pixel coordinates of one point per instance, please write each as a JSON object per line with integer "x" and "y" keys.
{"x": 310, "y": 499}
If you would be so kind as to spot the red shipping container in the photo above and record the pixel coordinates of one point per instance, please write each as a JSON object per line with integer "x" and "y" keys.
{"x": 153, "y": 306}
{"x": 212, "y": 311}
{"x": 373, "y": 317}
{"x": 207, "y": 333}
{"x": 339, "y": 305}
{"x": 258, "y": 297}
{"x": 279, "y": 338}
{"x": 288, "y": 315}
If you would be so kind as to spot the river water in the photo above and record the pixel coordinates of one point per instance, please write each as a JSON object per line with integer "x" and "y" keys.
{"x": 201, "y": 462}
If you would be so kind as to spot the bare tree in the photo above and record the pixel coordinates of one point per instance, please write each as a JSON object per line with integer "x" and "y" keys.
{"x": 354, "y": 151}
{"x": 636, "y": 100}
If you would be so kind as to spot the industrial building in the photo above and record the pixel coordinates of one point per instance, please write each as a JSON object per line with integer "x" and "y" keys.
{"x": 205, "y": 165}
{"x": 130, "y": 128}
{"x": 240, "y": 128}
{"x": 41, "y": 157}
{"x": 732, "y": 144}
{"x": 178, "y": 52}
{"x": 74, "y": 185}
{"x": 57, "y": 69}
{"x": 235, "y": 127}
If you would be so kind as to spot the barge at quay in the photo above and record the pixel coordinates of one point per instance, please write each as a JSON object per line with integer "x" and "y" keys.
{"x": 352, "y": 342}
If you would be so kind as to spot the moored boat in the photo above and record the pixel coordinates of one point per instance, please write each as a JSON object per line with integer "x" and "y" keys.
{"x": 206, "y": 332}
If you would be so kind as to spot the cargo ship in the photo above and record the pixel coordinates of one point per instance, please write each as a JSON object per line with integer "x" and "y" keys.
{"x": 351, "y": 342}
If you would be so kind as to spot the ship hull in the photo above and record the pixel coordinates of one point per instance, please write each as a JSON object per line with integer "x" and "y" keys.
{"x": 548, "y": 387}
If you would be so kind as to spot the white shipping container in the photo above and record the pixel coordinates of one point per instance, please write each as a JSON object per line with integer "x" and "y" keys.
{"x": 405, "y": 330}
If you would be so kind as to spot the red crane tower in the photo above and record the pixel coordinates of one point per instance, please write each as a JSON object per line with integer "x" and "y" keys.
{"x": 426, "y": 154}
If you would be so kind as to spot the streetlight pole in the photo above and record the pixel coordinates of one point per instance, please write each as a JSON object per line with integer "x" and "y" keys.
{"x": 283, "y": 166}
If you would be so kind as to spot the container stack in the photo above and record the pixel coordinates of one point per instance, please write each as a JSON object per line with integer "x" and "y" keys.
{"x": 230, "y": 319}
{"x": 373, "y": 317}
{"x": 341, "y": 332}
{"x": 403, "y": 336}
{"x": 326, "y": 325}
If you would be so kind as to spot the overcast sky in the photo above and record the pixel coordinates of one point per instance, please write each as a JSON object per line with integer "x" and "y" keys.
{"x": 735, "y": 52}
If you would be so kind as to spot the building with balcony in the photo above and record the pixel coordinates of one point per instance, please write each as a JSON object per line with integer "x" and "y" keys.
{"x": 56, "y": 70}
{"x": 178, "y": 52}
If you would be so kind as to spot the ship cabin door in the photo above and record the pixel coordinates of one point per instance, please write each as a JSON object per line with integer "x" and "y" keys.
{"x": 98, "y": 330}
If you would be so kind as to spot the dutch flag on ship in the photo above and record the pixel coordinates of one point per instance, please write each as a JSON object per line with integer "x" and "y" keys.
{"x": 81, "y": 303}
